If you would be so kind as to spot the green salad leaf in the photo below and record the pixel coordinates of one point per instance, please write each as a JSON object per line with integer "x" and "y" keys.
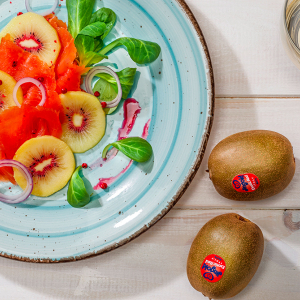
{"x": 107, "y": 93}
{"x": 94, "y": 30}
{"x": 141, "y": 52}
{"x": 91, "y": 58}
{"x": 89, "y": 30}
{"x": 106, "y": 16}
{"x": 126, "y": 77}
{"x": 98, "y": 44}
{"x": 108, "y": 88}
{"x": 135, "y": 148}
{"x": 77, "y": 195}
{"x": 85, "y": 46}
{"x": 79, "y": 15}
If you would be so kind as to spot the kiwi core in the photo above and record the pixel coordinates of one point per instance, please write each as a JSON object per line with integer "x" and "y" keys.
{"x": 40, "y": 166}
{"x": 29, "y": 43}
{"x": 77, "y": 120}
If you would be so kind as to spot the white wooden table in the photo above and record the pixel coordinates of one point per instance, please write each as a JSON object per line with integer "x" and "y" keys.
{"x": 257, "y": 87}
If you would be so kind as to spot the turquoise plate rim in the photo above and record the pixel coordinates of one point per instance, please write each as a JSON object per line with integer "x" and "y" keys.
{"x": 192, "y": 171}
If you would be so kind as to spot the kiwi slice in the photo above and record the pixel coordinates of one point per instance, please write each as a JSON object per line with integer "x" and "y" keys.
{"x": 34, "y": 34}
{"x": 50, "y": 161}
{"x": 7, "y": 84}
{"x": 84, "y": 121}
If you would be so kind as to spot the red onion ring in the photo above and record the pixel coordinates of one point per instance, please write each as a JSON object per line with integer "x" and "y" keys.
{"x": 102, "y": 69}
{"x": 30, "y": 80}
{"x": 47, "y": 12}
{"x": 26, "y": 193}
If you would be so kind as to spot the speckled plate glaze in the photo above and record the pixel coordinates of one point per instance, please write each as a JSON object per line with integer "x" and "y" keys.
{"x": 176, "y": 92}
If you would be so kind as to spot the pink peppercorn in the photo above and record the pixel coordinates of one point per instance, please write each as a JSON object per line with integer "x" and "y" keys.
{"x": 103, "y": 185}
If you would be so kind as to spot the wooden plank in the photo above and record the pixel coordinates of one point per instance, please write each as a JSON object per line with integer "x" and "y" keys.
{"x": 153, "y": 266}
{"x": 244, "y": 42}
{"x": 236, "y": 115}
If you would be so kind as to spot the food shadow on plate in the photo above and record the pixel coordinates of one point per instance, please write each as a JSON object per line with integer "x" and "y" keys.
{"x": 109, "y": 64}
{"x": 147, "y": 166}
{"x": 135, "y": 84}
{"x": 95, "y": 201}
{"x": 59, "y": 199}
{"x": 156, "y": 67}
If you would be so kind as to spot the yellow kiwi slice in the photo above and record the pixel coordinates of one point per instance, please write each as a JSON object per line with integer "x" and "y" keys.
{"x": 84, "y": 121}
{"x": 50, "y": 161}
{"x": 7, "y": 84}
{"x": 34, "y": 34}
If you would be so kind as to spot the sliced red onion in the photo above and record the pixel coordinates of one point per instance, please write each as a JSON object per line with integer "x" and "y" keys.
{"x": 26, "y": 193}
{"x": 102, "y": 69}
{"x": 29, "y": 80}
{"x": 45, "y": 13}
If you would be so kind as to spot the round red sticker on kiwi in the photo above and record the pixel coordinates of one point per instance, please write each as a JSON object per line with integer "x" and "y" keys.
{"x": 245, "y": 183}
{"x": 213, "y": 268}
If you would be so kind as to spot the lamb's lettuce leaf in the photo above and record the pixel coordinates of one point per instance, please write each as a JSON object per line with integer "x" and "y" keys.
{"x": 108, "y": 88}
{"x": 141, "y": 52}
{"x": 79, "y": 15}
{"x": 106, "y": 16}
{"x": 94, "y": 30}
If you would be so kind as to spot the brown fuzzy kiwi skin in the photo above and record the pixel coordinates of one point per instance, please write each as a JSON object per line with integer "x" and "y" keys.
{"x": 239, "y": 242}
{"x": 266, "y": 154}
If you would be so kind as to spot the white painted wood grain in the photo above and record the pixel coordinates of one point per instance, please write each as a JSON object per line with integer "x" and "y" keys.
{"x": 153, "y": 266}
{"x": 245, "y": 47}
{"x": 248, "y": 59}
{"x": 236, "y": 115}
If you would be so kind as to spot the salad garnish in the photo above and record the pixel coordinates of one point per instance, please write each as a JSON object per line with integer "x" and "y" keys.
{"x": 43, "y": 64}
{"x": 107, "y": 86}
{"x": 141, "y": 52}
{"x": 89, "y": 30}
{"x": 77, "y": 195}
{"x": 103, "y": 185}
{"x": 123, "y": 131}
{"x": 35, "y": 82}
{"x": 135, "y": 148}
{"x": 46, "y": 12}
{"x": 27, "y": 191}
{"x": 102, "y": 69}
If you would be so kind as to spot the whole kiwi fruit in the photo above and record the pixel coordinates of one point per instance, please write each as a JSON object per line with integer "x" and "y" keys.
{"x": 252, "y": 165}
{"x": 224, "y": 256}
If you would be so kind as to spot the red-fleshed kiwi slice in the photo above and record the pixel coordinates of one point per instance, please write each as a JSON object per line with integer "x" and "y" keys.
{"x": 50, "y": 161}
{"x": 7, "y": 84}
{"x": 34, "y": 34}
{"x": 84, "y": 121}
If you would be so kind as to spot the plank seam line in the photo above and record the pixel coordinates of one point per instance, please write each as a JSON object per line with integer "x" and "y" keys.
{"x": 236, "y": 208}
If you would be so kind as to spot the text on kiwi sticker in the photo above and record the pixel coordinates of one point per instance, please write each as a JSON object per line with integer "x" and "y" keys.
{"x": 213, "y": 268}
{"x": 245, "y": 183}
